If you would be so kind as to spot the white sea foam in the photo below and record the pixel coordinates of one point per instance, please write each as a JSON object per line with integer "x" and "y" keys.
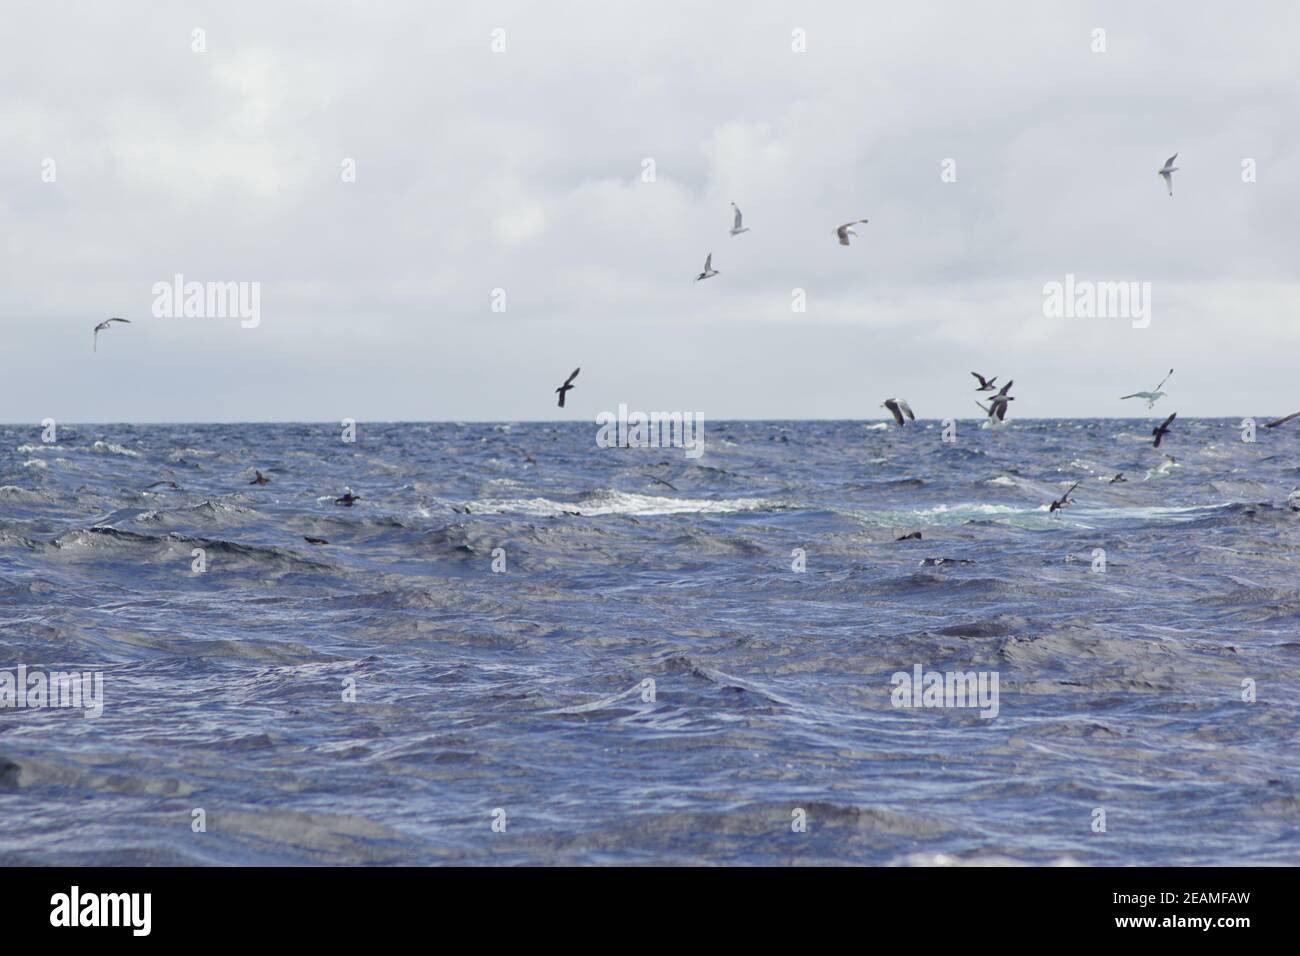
{"x": 617, "y": 503}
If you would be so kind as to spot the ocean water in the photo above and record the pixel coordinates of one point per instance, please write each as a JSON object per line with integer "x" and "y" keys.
{"x": 648, "y": 680}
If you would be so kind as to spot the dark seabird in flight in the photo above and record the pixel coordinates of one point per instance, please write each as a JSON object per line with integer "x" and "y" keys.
{"x": 898, "y": 408}
{"x": 348, "y": 498}
{"x": 259, "y": 478}
{"x": 998, "y": 403}
{"x": 1160, "y": 430}
{"x": 845, "y": 231}
{"x": 100, "y": 328}
{"x": 568, "y": 384}
{"x": 709, "y": 272}
{"x": 986, "y": 384}
{"x": 913, "y": 536}
{"x": 311, "y": 540}
{"x": 1282, "y": 421}
{"x": 1119, "y": 478}
{"x": 1062, "y": 501}
{"x": 169, "y": 484}
{"x": 996, "y": 412}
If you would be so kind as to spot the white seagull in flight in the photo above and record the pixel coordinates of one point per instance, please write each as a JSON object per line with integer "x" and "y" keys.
{"x": 709, "y": 272}
{"x": 736, "y": 228}
{"x": 100, "y": 328}
{"x": 1153, "y": 396}
{"x": 845, "y": 231}
{"x": 1168, "y": 172}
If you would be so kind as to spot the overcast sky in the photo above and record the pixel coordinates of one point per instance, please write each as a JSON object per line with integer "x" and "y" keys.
{"x": 522, "y": 170}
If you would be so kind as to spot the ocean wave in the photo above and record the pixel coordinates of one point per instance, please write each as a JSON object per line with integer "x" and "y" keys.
{"x": 612, "y": 502}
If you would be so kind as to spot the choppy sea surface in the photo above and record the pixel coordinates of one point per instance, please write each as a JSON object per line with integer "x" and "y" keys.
{"x": 648, "y": 680}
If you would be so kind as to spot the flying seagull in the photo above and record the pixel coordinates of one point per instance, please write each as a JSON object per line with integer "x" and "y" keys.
{"x": 898, "y": 408}
{"x": 259, "y": 478}
{"x": 1283, "y": 421}
{"x": 736, "y": 228}
{"x": 845, "y": 231}
{"x": 986, "y": 384}
{"x": 999, "y": 410}
{"x": 1160, "y": 430}
{"x": 1168, "y": 172}
{"x": 1153, "y": 396}
{"x": 998, "y": 403}
{"x": 347, "y": 499}
{"x": 1062, "y": 501}
{"x": 568, "y": 384}
{"x": 709, "y": 272}
{"x": 100, "y": 328}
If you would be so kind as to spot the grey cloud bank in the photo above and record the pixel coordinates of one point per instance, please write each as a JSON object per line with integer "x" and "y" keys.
{"x": 522, "y": 171}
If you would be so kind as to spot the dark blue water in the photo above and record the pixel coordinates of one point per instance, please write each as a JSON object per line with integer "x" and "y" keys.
{"x": 526, "y": 691}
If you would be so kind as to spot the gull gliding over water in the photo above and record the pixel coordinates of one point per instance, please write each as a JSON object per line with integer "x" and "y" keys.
{"x": 100, "y": 328}
{"x": 736, "y": 228}
{"x": 845, "y": 231}
{"x": 1064, "y": 500}
{"x": 986, "y": 384}
{"x": 1282, "y": 421}
{"x": 709, "y": 272}
{"x": 988, "y": 410}
{"x": 998, "y": 403}
{"x": 1153, "y": 396}
{"x": 1168, "y": 172}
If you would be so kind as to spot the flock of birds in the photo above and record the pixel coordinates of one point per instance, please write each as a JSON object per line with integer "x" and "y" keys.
{"x": 995, "y": 411}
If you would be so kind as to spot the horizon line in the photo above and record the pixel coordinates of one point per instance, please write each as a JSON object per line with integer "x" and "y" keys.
{"x": 333, "y": 422}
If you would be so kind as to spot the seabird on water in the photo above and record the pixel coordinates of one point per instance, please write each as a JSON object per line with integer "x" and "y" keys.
{"x": 913, "y": 536}
{"x": 1168, "y": 172}
{"x": 100, "y": 328}
{"x": 1160, "y": 430}
{"x": 845, "y": 231}
{"x": 347, "y": 499}
{"x": 1282, "y": 421}
{"x": 259, "y": 478}
{"x": 709, "y": 272}
{"x": 1293, "y": 500}
{"x": 736, "y": 228}
{"x": 898, "y": 408}
{"x": 986, "y": 384}
{"x": 1062, "y": 501}
{"x": 568, "y": 384}
{"x": 1153, "y": 396}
